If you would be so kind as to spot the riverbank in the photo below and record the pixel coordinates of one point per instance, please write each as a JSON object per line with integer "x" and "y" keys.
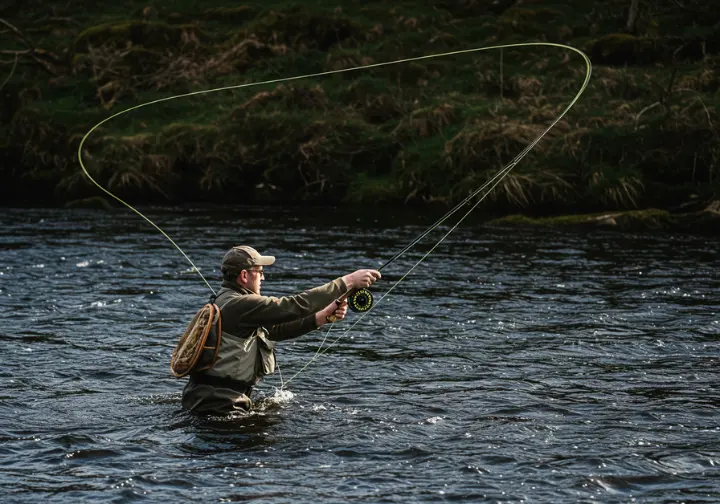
{"x": 643, "y": 135}
{"x": 701, "y": 219}
{"x": 706, "y": 220}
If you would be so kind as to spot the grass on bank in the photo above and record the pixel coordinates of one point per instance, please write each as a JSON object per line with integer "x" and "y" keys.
{"x": 645, "y": 132}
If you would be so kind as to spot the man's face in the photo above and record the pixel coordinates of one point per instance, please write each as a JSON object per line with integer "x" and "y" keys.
{"x": 252, "y": 278}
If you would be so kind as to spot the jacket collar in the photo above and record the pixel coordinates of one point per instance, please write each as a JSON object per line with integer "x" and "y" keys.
{"x": 234, "y": 286}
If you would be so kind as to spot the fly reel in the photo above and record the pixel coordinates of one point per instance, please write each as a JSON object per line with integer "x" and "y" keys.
{"x": 360, "y": 301}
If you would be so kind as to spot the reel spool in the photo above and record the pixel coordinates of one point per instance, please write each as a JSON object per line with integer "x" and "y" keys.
{"x": 360, "y": 300}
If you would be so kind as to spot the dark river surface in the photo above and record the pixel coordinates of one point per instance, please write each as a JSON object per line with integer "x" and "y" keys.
{"x": 510, "y": 366}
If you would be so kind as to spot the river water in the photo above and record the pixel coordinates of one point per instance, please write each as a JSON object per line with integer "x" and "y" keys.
{"x": 510, "y": 366}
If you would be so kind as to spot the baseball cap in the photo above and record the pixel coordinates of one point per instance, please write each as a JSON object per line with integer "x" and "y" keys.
{"x": 244, "y": 257}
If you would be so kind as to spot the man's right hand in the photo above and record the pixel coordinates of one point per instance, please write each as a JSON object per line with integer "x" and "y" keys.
{"x": 361, "y": 278}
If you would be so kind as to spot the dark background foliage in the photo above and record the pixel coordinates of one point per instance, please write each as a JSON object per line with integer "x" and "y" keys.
{"x": 644, "y": 134}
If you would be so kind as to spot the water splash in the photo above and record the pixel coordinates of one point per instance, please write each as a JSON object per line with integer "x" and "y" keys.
{"x": 278, "y": 398}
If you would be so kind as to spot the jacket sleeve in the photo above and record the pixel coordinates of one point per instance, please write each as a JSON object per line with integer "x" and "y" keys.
{"x": 294, "y": 329}
{"x": 256, "y": 310}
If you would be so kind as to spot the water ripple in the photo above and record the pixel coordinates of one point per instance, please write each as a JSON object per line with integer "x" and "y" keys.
{"x": 512, "y": 365}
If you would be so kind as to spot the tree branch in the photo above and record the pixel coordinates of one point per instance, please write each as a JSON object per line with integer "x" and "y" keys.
{"x": 11, "y": 73}
{"x": 40, "y": 56}
{"x": 17, "y": 32}
{"x": 632, "y": 15}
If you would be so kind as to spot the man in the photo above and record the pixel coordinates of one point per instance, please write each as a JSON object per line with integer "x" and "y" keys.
{"x": 251, "y": 323}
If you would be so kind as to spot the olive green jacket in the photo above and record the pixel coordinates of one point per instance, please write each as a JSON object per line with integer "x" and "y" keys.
{"x": 251, "y": 323}
{"x": 284, "y": 318}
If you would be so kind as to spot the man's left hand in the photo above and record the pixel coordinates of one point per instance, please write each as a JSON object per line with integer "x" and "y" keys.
{"x": 336, "y": 311}
{"x": 341, "y": 309}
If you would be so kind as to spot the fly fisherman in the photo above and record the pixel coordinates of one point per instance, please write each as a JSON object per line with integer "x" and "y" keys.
{"x": 252, "y": 323}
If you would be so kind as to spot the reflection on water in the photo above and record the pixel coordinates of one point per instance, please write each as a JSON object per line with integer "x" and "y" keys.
{"x": 511, "y": 365}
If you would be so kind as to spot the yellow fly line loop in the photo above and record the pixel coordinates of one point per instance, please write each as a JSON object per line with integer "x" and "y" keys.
{"x": 310, "y": 76}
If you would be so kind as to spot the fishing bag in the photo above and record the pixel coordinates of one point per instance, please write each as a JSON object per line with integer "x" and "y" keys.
{"x": 198, "y": 347}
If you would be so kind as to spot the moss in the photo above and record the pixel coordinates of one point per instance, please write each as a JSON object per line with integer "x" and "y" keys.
{"x": 91, "y": 202}
{"x": 707, "y": 220}
{"x": 517, "y": 220}
{"x": 625, "y": 221}
{"x": 238, "y": 14}
{"x": 373, "y": 190}
{"x": 645, "y": 219}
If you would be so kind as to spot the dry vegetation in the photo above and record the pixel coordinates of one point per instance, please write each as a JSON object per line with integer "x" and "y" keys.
{"x": 645, "y": 133}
